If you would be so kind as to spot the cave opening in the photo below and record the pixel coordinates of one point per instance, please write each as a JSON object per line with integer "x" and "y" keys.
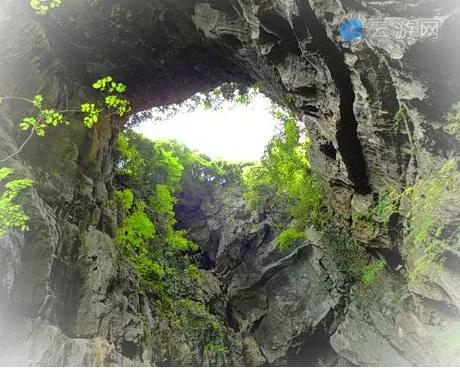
{"x": 229, "y": 130}
{"x": 166, "y": 52}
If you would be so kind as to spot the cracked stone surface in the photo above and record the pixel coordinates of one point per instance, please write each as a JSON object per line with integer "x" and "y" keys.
{"x": 65, "y": 308}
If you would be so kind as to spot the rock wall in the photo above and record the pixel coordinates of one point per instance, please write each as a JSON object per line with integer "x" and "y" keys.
{"x": 68, "y": 299}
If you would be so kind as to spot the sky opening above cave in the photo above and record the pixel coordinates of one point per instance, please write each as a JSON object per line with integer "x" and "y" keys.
{"x": 234, "y": 134}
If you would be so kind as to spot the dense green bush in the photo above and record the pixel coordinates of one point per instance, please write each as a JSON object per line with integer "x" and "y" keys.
{"x": 126, "y": 198}
{"x": 433, "y": 207}
{"x": 11, "y": 214}
{"x": 163, "y": 256}
{"x": 283, "y": 181}
{"x": 372, "y": 271}
{"x": 291, "y": 238}
{"x": 380, "y": 212}
{"x": 453, "y": 119}
{"x": 343, "y": 251}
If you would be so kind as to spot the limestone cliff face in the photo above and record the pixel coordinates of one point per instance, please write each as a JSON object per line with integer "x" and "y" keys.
{"x": 68, "y": 299}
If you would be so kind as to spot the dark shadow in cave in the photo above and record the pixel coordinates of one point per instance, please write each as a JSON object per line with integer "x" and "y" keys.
{"x": 347, "y": 135}
{"x": 315, "y": 351}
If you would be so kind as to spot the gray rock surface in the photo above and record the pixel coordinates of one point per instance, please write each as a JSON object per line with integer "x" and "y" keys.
{"x": 67, "y": 297}
{"x": 374, "y": 350}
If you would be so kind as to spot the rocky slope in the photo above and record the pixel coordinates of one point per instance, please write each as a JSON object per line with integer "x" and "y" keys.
{"x": 67, "y": 298}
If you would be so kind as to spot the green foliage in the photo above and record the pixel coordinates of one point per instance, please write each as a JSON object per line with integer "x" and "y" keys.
{"x": 134, "y": 239}
{"x": 163, "y": 202}
{"x": 42, "y": 6}
{"x": 92, "y": 114}
{"x": 126, "y": 198}
{"x": 399, "y": 118}
{"x": 283, "y": 181}
{"x": 11, "y": 214}
{"x": 290, "y": 97}
{"x": 140, "y": 161}
{"x": 432, "y": 206}
{"x": 217, "y": 348}
{"x": 163, "y": 256}
{"x": 179, "y": 243}
{"x": 453, "y": 118}
{"x": 44, "y": 119}
{"x": 372, "y": 271}
{"x": 192, "y": 271}
{"x": 113, "y": 99}
{"x": 137, "y": 230}
{"x": 381, "y": 212}
{"x": 231, "y": 92}
{"x": 200, "y": 166}
{"x": 343, "y": 251}
{"x": 291, "y": 238}
{"x": 196, "y": 322}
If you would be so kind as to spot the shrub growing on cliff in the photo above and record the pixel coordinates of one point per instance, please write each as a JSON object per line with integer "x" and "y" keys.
{"x": 343, "y": 251}
{"x": 163, "y": 256}
{"x": 136, "y": 231}
{"x": 372, "y": 271}
{"x": 433, "y": 206}
{"x": 291, "y": 238}
{"x": 142, "y": 164}
{"x": 453, "y": 119}
{"x": 11, "y": 214}
{"x": 126, "y": 198}
{"x": 379, "y": 213}
{"x": 197, "y": 323}
{"x": 283, "y": 181}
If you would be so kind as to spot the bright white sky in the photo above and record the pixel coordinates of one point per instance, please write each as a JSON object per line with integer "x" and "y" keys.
{"x": 238, "y": 134}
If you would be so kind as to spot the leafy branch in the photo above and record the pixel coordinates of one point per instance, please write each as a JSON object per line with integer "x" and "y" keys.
{"x": 49, "y": 117}
{"x": 38, "y": 124}
{"x": 10, "y": 213}
{"x": 42, "y": 6}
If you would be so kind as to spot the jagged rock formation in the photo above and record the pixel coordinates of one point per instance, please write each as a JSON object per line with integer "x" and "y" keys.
{"x": 278, "y": 298}
{"x": 67, "y": 299}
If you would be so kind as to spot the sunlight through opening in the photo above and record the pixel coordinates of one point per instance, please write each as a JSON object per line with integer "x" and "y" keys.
{"x": 234, "y": 133}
